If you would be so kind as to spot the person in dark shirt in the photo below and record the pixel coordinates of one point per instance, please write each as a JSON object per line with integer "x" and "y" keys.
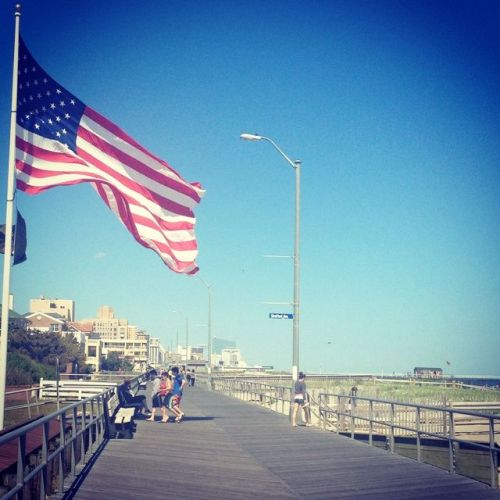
{"x": 127, "y": 399}
{"x": 300, "y": 400}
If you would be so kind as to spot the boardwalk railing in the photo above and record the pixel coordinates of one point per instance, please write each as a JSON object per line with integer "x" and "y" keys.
{"x": 26, "y": 398}
{"x": 275, "y": 397}
{"x": 459, "y": 429}
{"x": 47, "y": 451}
{"x": 470, "y": 439}
{"x": 36, "y": 459}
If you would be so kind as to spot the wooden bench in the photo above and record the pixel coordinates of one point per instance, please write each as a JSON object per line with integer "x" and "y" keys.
{"x": 120, "y": 420}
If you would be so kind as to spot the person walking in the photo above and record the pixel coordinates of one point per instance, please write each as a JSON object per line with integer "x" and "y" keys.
{"x": 155, "y": 397}
{"x": 300, "y": 400}
{"x": 165, "y": 394}
{"x": 178, "y": 383}
{"x": 193, "y": 378}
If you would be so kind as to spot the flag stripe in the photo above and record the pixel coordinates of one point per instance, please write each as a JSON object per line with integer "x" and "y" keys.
{"x": 151, "y": 226}
{"x": 151, "y": 166}
{"x": 50, "y": 173}
{"x": 113, "y": 167}
{"x": 171, "y": 256}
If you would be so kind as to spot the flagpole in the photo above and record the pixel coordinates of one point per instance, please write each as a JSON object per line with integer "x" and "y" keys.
{"x": 9, "y": 211}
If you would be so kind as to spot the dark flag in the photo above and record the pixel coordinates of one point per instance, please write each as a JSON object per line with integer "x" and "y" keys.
{"x": 18, "y": 240}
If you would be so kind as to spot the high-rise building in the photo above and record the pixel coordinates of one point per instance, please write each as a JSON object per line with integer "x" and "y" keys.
{"x": 109, "y": 327}
{"x": 116, "y": 335}
{"x": 231, "y": 357}
{"x": 219, "y": 344}
{"x": 157, "y": 353}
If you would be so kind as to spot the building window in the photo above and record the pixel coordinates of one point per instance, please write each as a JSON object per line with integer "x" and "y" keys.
{"x": 92, "y": 351}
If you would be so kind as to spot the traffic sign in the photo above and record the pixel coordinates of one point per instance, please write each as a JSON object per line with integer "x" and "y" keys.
{"x": 280, "y": 316}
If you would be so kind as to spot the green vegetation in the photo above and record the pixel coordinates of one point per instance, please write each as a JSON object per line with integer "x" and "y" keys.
{"x": 113, "y": 363}
{"x": 408, "y": 391}
{"x": 22, "y": 370}
{"x": 33, "y": 355}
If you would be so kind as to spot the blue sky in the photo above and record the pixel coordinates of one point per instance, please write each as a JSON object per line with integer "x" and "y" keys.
{"x": 393, "y": 108}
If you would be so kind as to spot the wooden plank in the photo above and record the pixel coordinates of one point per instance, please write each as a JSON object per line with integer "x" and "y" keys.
{"x": 226, "y": 448}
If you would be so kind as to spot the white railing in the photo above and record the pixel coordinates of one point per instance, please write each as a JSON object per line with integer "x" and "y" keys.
{"x": 72, "y": 390}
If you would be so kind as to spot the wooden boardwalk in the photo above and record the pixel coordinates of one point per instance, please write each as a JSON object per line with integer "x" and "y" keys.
{"x": 228, "y": 449}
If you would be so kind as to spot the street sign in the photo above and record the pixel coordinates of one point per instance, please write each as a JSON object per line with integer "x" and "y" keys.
{"x": 280, "y": 316}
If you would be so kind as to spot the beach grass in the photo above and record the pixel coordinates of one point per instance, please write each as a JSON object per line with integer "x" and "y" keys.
{"x": 408, "y": 391}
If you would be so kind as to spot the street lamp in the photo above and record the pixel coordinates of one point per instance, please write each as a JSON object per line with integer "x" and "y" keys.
{"x": 209, "y": 341}
{"x": 296, "y": 255}
{"x": 187, "y": 333}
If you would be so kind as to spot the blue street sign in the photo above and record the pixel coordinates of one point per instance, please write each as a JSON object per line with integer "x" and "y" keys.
{"x": 280, "y": 316}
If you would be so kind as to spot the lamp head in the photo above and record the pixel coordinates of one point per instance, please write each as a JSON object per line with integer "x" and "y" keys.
{"x": 251, "y": 137}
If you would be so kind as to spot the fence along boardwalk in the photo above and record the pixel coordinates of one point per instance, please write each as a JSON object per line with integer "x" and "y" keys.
{"x": 228, "y": 449}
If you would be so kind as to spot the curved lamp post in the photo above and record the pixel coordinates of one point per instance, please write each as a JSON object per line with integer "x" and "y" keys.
{"x": 187, "y": 333}
{"x": 296, "y": 254}
{"x": 209, "y": 340}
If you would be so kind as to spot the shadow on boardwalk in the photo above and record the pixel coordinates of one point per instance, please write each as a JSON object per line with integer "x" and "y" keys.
{"x": 227, "y": 449}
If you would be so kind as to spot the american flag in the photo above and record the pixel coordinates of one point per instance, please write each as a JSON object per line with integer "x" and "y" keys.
{"x": 60, "y": 141}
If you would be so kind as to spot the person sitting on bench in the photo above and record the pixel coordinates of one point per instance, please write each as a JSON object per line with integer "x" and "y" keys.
{"x": 127, "y": 399}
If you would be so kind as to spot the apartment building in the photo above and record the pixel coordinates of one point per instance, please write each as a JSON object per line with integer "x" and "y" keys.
{"x": 117, "y": 335}
{"x": 107, "y": 326}
{"x": 63, "y": 307}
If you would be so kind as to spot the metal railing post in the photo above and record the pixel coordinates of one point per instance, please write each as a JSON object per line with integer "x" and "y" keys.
{"x": 44, "y": 483}
{"x": 370, "y": 416}
{"x": 493, "y": 454}
{"x": 21, "y": 461}
{"x": 417, "y": 422}
{"x": 392, "y": 439}
{"x": 73, "y": 442}
{"x": 62, "y": 448}
{"x": 451, "y": 444}
{"x": 338, "y": 414}
{"x": 353, "y": 417}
